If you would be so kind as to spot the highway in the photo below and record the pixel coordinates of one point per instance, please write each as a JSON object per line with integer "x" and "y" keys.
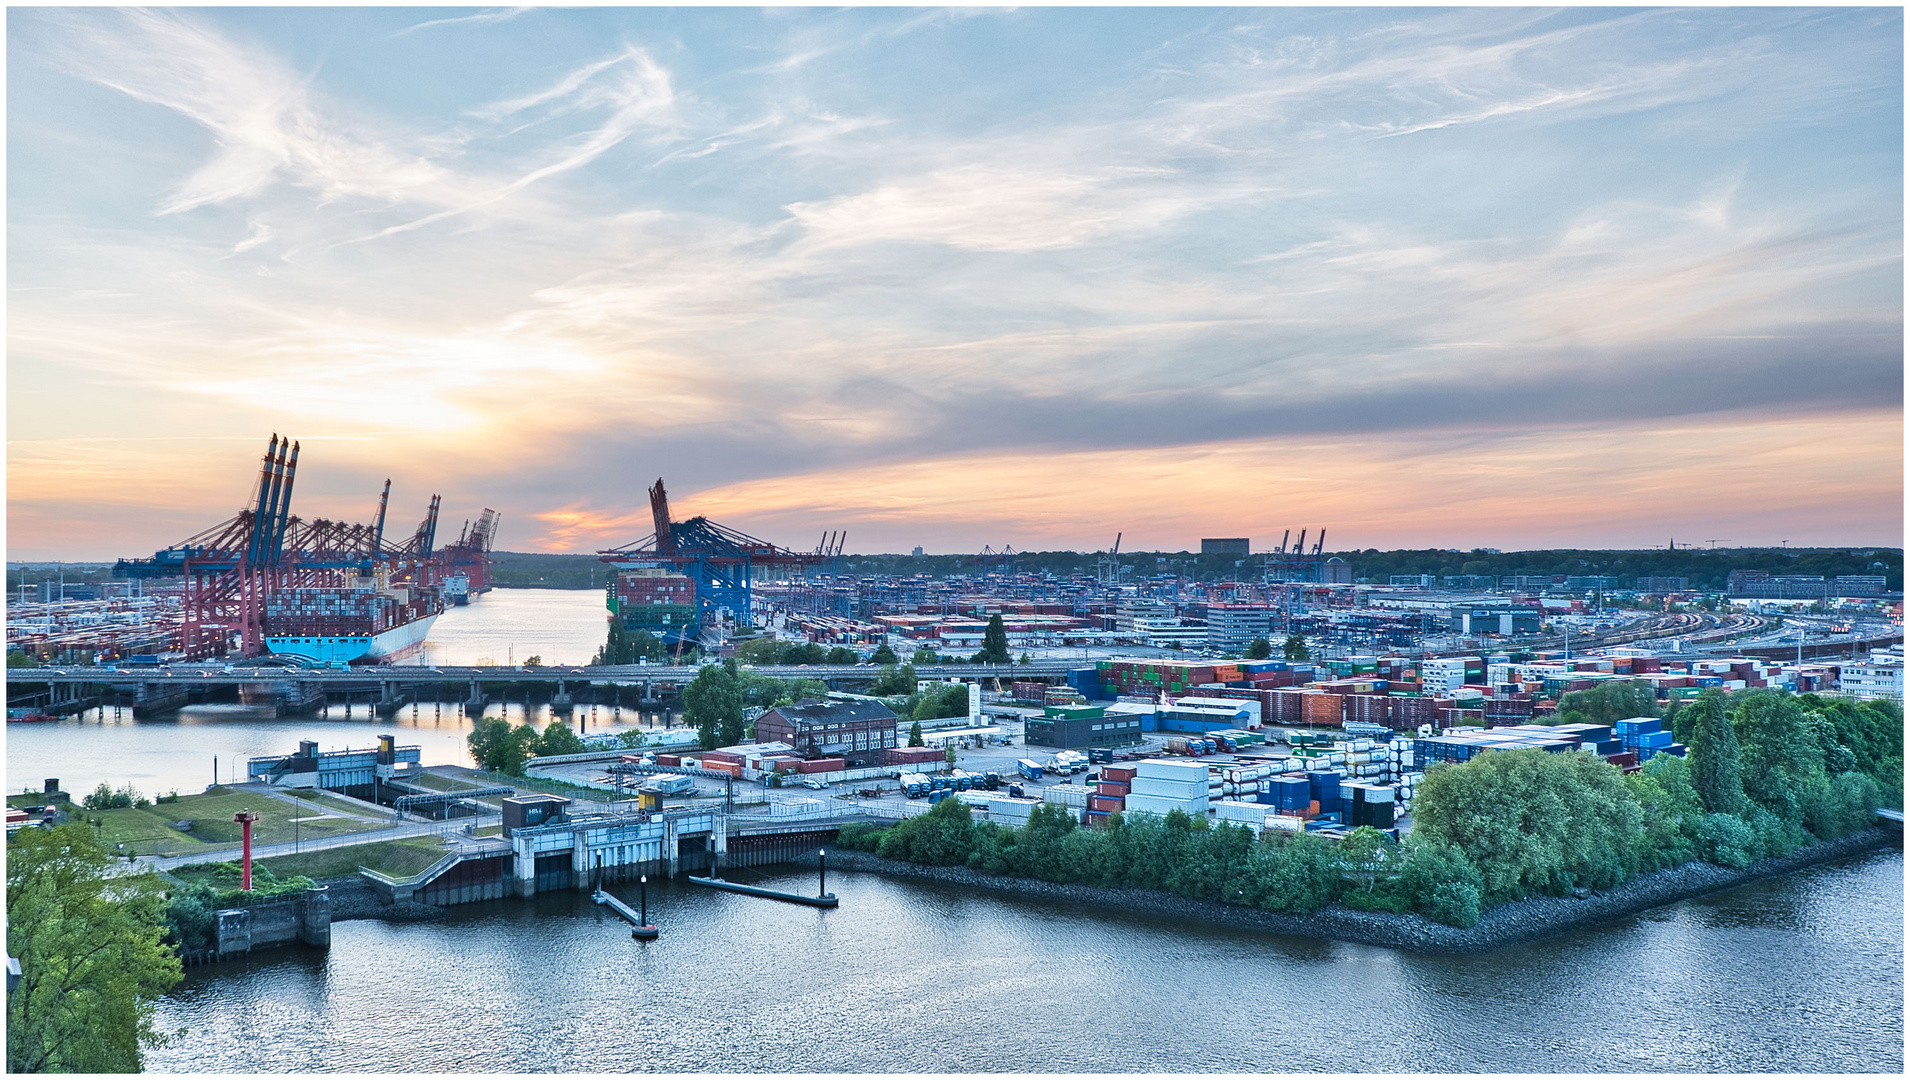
{"x": 213, "y": 674}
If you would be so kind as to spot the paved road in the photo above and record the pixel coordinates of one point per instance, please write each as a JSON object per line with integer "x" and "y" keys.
{"x": 233, "y": 674}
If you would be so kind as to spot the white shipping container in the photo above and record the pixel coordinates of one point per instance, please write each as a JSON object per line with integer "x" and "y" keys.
{"x": 1182, "y": 771}
{"x": 1283, "y": 821}
{"x": 1167, "y": 789}
{"x": 1067, "y": 795}
{"x": 1147, "y": 804}
{"x": 1227, "y": 810}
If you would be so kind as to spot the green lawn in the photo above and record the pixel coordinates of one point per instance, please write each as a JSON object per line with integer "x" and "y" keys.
{"x": 154, "y": 827}
{"x": 398, "y": 858}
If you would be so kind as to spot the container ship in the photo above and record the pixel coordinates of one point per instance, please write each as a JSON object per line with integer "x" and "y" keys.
{"x": 368, "y": 622}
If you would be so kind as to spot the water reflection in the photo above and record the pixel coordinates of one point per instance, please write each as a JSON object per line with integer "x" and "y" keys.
{"x": 923, "y": 977}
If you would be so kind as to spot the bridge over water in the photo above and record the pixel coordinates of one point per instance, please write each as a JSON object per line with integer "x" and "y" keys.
{"x": 160, "y": 688}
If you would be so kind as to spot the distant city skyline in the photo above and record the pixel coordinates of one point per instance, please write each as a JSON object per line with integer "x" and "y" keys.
{"x": 1504, "y": 278}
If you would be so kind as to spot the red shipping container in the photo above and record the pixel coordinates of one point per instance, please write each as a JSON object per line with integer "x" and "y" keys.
{"x": 669, "y": 759}
{"x": 1122, "y": 773}
{"x": 1112, "y": 789}
{"x": 1096, "y": 802}
{"x": 832, "y": 764}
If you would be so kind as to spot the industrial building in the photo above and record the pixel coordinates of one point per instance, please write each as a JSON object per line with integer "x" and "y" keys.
{"x": 1074, "y": 727}
{"x": 1232, "y": 627}
{"x": 1232, "y": 545}
{"x": 358, "y": 773}
{"x": 859, "y": 732}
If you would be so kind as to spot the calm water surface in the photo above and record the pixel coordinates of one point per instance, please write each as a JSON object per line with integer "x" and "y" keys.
{"x": 1799, "y": 974}
{"x": 178, "y": 753}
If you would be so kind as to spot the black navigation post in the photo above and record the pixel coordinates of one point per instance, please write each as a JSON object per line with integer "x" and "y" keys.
{"x": 643, "y": 931}
{"x": 822, "y": 872}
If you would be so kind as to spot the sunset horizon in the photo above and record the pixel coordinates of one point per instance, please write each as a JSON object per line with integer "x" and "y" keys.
{"x": 1501, "y": 278}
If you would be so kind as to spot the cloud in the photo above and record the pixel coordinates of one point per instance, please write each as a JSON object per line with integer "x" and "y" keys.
{"x": 264, "y": 122}
{"x": 483, "y": 18}
{"x": 782, "y": 277}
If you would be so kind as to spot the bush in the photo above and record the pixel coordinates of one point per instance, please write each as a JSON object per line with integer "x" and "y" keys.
{"x": 1726, "y": 840}
{"x": 104, "y": 797}
{"x": 860, "y": 836}
{"x": 1455, "y": 903}
{"x": 1840, "y": 805}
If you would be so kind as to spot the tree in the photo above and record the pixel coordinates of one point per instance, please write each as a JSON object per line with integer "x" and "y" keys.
{"x": 939, "y": 701}
{"x": 995, "y": 642}
{"x": 556, "y": 739}
{"x": 925, "y": 655}
{"x": 18, "y": 658}
{"x": 1295, "y": 649}
{"x": 1360, "y": 851}
{"x": 92, "y": 959}
{"x": 713, "y": 702}
{"x": 622, "y": 648}
{"x": 1533, "y": 822}
{"x": 840, "y": 655}
{"x": 1259, "y": 649}
{"x": 759, "y": 652}
{"x": 883, "y": 655}
{"x": 1715, "y": 769}
{"x": 1608, "y": 703}
{"x": 533, "y": 660}
{"x": 499, "y": 746}
{"x": 894, "y": 682}
{"x": 1026, "y": 659}
{"x": 915, "y": 734}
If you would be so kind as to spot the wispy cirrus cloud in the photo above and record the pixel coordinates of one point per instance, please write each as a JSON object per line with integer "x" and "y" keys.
{"x": 630, "y": 246}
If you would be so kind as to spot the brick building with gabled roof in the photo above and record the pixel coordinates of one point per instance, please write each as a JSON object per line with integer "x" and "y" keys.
{"x": 860, "y": 732}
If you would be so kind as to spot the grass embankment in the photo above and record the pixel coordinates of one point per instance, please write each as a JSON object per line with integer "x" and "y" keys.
{"x": 209, "y": 822}
{"x": 398, "y": 858}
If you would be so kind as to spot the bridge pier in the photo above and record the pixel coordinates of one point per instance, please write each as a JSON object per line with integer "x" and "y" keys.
{"x": 390, "y": 700}
{"x": 474, "y": 704}
{"x": 158, "y": 699}
{"x": 562, "y": 700}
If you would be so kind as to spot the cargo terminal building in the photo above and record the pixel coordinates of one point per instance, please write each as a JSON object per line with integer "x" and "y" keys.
{"x": 1073, "y": 727}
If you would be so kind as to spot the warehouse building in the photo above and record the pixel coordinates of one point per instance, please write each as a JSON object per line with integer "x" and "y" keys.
{"x": 1078, "y": 727}
{"x": 859, "y": 732}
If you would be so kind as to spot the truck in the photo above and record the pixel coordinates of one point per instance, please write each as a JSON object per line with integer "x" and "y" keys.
{"x": 1100, "y": 755}
{"x": 672, "y": 785}
{"x": 992, "y": 781}
{"x": 915, "y": 785}
{"x": 1030, "y": 770}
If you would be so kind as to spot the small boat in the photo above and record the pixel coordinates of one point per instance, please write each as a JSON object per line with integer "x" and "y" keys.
{"x": 28, "y": 716}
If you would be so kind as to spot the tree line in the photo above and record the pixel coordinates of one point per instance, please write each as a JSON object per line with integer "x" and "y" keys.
{"x": 1767, "y": 773}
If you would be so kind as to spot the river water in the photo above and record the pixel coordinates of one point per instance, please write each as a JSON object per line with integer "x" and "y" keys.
{"x": 178, "y": 753}
{"x": 1802, "y": 973}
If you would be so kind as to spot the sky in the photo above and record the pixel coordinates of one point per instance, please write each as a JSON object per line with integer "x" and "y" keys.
{"x": 1510, "y": 278}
